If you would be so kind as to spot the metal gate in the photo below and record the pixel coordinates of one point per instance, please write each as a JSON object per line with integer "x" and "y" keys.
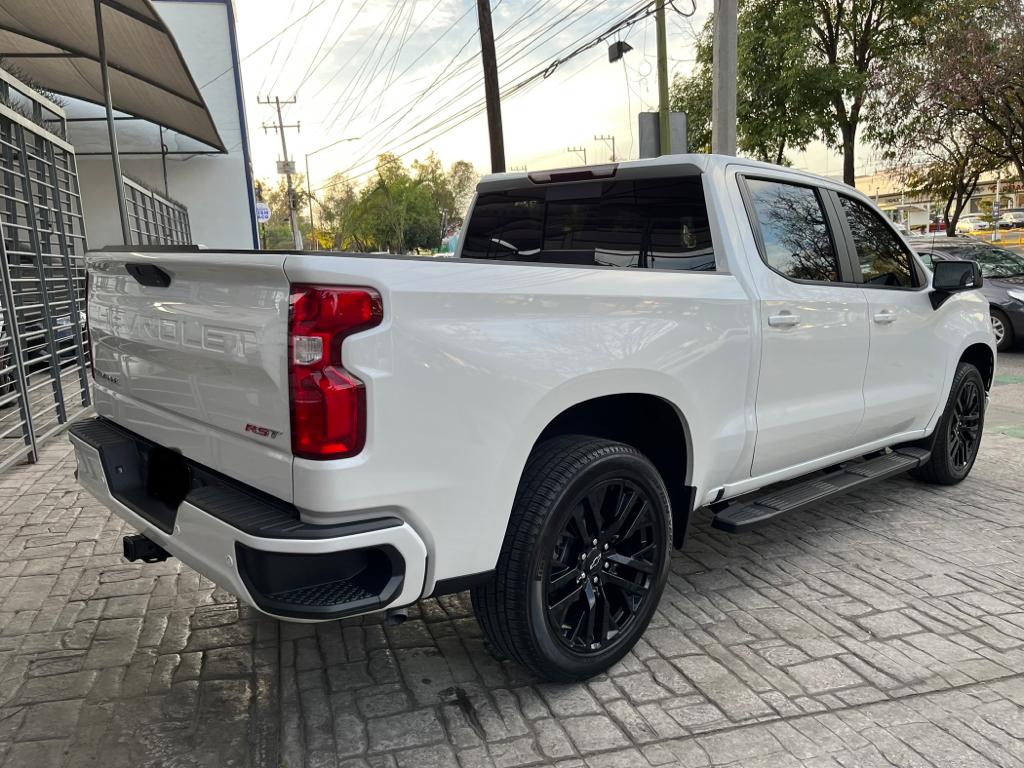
{"x": 43, "y": 354}
{"x": 155, "y": 219}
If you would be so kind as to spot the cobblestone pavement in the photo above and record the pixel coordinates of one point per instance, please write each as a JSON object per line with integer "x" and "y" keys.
{"x": 884, "y": 628}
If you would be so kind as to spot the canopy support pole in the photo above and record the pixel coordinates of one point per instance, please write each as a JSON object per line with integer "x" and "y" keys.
{"x": 105, "y": 74}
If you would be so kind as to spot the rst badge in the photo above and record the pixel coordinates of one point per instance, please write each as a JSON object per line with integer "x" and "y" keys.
{"x": 256, "y": 429}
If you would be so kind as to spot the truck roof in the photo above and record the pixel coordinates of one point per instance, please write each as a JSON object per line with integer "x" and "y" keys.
{"x": 690, "y": 163}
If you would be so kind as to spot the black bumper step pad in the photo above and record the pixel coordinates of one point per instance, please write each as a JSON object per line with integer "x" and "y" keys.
{"x": 333, "y": 593}
{"x": 273, "y": 519}
{"x": 324, "y": 585}
{"x": 761, "y": 510}
{"x": 132, "y": 464}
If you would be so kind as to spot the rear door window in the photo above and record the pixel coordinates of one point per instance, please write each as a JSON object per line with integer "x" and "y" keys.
{"x": 794, "y": 231}
{"x": 643, "y": 224}
{"x": 884, "y": 260}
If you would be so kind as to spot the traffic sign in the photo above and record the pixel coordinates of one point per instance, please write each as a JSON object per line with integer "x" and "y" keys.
{"x": 262, "y": 212}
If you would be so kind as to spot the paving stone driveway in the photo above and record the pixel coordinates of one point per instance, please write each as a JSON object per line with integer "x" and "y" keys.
{"x": 886, "y": 628}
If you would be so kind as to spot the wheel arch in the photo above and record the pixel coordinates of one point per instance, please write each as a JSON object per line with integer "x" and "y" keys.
{"x": 981, "y": 357}
{"x": 647, "y": 422}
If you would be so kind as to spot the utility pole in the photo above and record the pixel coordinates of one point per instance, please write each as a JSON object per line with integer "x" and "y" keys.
{"x": 997, "y": 206}
{"x": 581, "y": 151}
{"x": 309, "y": 185}
{"x": 664, "y": 125}
{"x": 492, "y": 92}
{"x": 610, "y": 140}
{"x": 286, "y": 167}
{"x": 723, "y": 88}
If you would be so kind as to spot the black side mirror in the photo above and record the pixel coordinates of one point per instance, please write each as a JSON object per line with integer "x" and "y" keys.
{"x": 949, "y": 277}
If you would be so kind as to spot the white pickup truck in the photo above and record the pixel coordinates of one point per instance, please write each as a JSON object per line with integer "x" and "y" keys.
{"x": 538, "y": 418}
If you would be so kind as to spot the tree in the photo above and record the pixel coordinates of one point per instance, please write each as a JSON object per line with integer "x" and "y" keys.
{"x": 950, "y": 164}
{"x": 397, "y": 212}
{"x": 939, "y": 148}
{"x": 397, "y": 209}
{"x": 977, "y": 69}
{"x": 779, "y": 102}
{"x": 462, "y": 178}
{"x": 339, "y": 220}
{"x": 805, "y": 68}
{"x": 855, "y": 41}
{"x": 277, "y": 233}
{"x": 692, "y": 95}
{"x": 451, "y": 190}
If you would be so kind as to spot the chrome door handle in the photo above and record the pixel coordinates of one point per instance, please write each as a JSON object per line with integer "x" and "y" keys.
{"x": 885, "y": 317}
{"x": 785, "y": 319}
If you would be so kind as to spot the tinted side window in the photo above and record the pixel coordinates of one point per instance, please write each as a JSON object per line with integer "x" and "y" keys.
{"x": 654, "y": 224}
{"x": 796, "y": 238}
{"x": 884, "y": 259}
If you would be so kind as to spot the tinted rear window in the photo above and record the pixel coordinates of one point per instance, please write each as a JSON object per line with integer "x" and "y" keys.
{"x": 650, "y": 223}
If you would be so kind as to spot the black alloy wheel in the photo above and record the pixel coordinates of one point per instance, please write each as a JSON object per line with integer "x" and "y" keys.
{"x": 965, "y": 426}
{"x": 584, "y": 561}
{"x": 601, "y": 568}
{"x": 957, "y": 437}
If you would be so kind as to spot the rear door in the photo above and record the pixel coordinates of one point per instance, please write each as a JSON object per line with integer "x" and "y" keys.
{"x": 813, "y": 323}
{"x": 907, "y": 362}
{"x": 190, "y": 351}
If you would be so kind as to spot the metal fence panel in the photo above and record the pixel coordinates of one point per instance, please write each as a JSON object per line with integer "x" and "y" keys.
{"x": 155, "y": 219}
{"x": 43, "y": 348}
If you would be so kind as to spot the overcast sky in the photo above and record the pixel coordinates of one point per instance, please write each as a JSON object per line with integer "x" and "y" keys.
{"x": 405, "y": 76}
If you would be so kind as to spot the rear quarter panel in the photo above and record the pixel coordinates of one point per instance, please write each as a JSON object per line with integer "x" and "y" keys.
{"x": 474, "y": 359}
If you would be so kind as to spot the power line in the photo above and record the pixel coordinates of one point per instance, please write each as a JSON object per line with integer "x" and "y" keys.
{"x": 406, "y": 109}
{"x": 277, "y": 48}
{"x": 384, "y": 131}
{"x": 447, "y": 124}
{"x": 401, "y": 47}
{"x": 327, "y": 32}
{"x": 379, "y": 66}
{"x": 520, "y": 86}
{"x": 291, "y": 50}
{"x": 277, "y": 35}
{"x": 377, "y": 35}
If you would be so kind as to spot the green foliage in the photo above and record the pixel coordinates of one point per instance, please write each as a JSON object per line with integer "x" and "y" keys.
{"x": 975, "y": 68}
{"x": 692, "y": 95}
{"x": 779, "y": 102}
{"x": 854, "y": 42}
{"x": 277, "y": 233}
{"x": 930, "y": 135}
{"x": 805, "y": 69}
{"x": 398, "y": 209}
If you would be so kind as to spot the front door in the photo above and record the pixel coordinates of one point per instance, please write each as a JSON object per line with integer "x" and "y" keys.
{"x": 907, "y": 361}
{"x": 814, "y": 328}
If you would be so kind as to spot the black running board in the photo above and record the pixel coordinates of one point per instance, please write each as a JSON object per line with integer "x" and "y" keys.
{"x": 750, "y": 514}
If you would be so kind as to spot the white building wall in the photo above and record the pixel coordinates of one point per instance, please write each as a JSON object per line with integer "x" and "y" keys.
{"x": 215, "y": 188}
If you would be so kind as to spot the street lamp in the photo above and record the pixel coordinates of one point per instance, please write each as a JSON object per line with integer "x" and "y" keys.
{"x": 309, "y": 186}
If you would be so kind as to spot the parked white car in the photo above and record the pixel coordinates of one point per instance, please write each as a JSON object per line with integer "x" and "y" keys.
{"x": 538, "y": 418}
{"x": 965, "y": 225}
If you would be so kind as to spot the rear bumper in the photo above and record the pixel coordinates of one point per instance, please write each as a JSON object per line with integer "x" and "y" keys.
{"x": 250, "y": 544}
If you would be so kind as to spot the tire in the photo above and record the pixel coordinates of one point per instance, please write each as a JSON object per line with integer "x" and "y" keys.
{"x": 1002, "y": 329}
{"x": 957, "y": 437}
{"x": 558, "y": 604}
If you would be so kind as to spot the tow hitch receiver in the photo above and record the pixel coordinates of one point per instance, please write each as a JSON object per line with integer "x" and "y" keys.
{"x": 138, "y": 547}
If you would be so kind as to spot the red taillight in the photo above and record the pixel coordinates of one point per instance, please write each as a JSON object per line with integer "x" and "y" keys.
{"x": 328, "y": 403}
